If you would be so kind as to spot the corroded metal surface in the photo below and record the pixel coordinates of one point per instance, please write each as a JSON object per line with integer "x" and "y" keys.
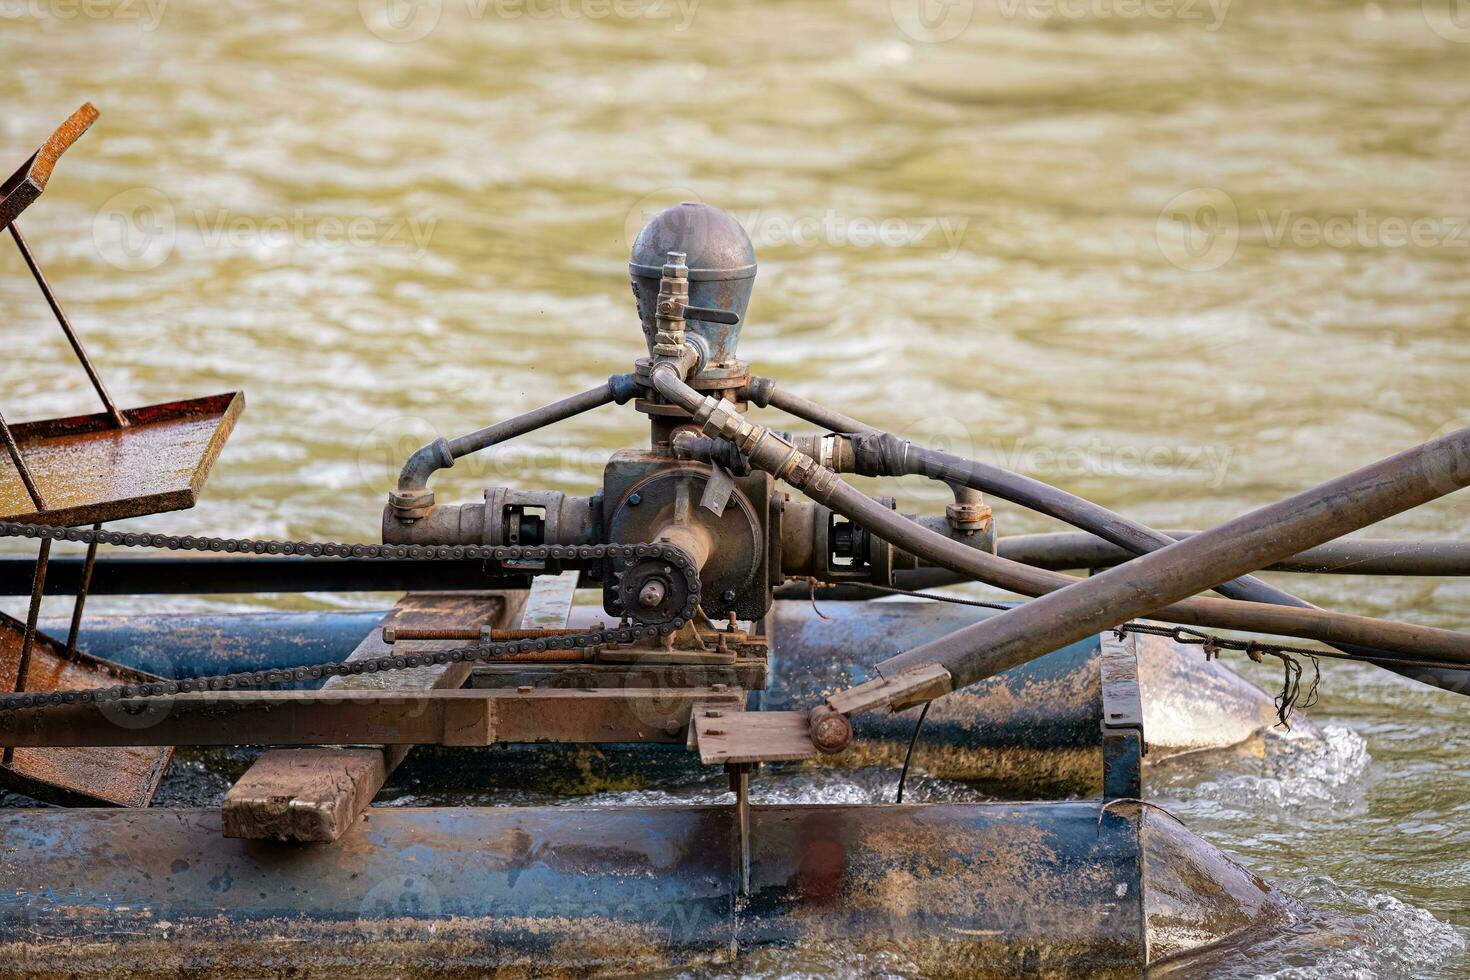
{"x": 1034, "y": 729}
{"x": 26, "y": 184}
{"x": 1031, "y": 730}
{"x": 122, "y": 776}
{"x": 1195, "y": 896}
{"x": 90, "y": 471}
{"x": 314, "y": 794}
{"x": 987, "y": 890}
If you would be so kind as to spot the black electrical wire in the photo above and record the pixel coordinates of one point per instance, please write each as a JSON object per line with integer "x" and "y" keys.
{"x": 909, "y": 755}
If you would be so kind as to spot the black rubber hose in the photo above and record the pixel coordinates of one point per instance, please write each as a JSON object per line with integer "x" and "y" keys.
{"x": 1365, "y": 496}
{"x": 900, "y": 457}
{"x": 770, "y": 452}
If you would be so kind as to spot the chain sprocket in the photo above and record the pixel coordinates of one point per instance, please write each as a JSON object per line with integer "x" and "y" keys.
{"x": 517, "y": 558}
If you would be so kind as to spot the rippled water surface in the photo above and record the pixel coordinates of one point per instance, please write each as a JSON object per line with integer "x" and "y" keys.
{"x": 1183, "y": 258}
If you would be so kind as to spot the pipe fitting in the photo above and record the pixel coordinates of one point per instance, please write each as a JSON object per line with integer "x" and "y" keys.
{"x": 969, "y": 513}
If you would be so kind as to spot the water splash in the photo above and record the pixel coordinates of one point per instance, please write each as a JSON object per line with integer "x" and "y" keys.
{"x": 1393, "y": 938}
{"x": 1292, "y": 771}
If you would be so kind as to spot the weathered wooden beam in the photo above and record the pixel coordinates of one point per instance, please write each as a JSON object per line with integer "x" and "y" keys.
{"x": 467, "y": 716}
{"x": 316, "y": 794}
{"x": 725, "y": 736}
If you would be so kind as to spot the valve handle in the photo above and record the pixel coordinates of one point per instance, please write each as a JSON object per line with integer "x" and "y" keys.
{"x": 711, "y": 316}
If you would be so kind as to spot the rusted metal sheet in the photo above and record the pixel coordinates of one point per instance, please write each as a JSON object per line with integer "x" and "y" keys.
{"x": 91, "y": 471}
{"x": 980, "y": 890}
{"x": 1034, "y": 729}
{"x": 314, "y": 794}
{"x": 26, "y": 184}
{"x": 121, "y": 776}
{"x": 1031, "y": 730}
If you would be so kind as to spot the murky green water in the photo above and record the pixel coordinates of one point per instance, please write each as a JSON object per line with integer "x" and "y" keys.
{"x": 1183, "y": 257}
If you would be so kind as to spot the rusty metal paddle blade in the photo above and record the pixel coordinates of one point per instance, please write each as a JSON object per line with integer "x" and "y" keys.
{"x": 90, "y": 471}
{"x": 120, "y": 776}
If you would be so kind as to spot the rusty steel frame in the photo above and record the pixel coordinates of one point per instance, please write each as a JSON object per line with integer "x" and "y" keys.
{"x": 462, "y": 717}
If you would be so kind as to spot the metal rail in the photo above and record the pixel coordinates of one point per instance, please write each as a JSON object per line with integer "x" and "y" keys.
{"x": 1362, "y": 556}
{"x": 1155, "y": 580}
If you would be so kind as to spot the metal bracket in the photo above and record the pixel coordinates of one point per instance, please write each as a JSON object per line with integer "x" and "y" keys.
{"x": 717, "y": 490}
{"x": 1123, "y": 744}
{"x": 739, "y": 773}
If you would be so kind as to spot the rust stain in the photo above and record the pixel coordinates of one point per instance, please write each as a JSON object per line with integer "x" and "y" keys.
{"x": 91, "y": 472}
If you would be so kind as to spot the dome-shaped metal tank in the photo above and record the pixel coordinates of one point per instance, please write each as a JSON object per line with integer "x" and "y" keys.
{"x": 721, "y": 264}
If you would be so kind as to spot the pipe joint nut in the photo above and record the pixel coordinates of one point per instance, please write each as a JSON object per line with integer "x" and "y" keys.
{"x": 968, "y": 518}
{"x": 830, "y": 730}
{"x": 411, "y": 505}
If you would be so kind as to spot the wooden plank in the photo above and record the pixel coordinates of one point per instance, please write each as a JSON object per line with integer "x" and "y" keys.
{"x": 900, "y": 691}
{"x": 752, "y": 736}
{"x": 464, "y": 716}
{"x": 312, "y": 794}
{"x": 316, "y": 797}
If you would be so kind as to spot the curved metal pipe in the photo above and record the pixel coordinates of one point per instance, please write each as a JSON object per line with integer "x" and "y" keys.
{"x": 441, "y": 453}
{"x": 903, "y": 458}
{"x": 1363, "y": 556}
{"x": 768, "y": 451}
